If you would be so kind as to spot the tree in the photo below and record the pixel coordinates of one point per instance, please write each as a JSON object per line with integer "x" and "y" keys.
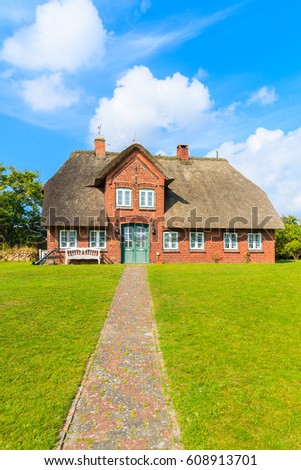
{"x": 20, "y": 207}
{"x": 293, "y": 249}
{"x": 288, "y": 241}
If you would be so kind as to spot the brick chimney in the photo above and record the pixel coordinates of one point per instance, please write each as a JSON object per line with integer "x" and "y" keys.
{"x": 182, "y": 151}
{"x": 100, "y": 146}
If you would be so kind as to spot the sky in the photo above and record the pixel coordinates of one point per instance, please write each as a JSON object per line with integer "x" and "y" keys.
{"x": 217, "y": 75}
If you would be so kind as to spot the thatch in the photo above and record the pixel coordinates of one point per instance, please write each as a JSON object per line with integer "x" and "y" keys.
{"x": 209, "y": 189}
{"x": 215, "y": 190}
{"x": 70, "y": 194}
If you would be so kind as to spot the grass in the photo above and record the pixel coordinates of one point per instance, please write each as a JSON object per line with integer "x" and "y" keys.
{"x": 51, "y": 319}
{"x": 230, "y": 337}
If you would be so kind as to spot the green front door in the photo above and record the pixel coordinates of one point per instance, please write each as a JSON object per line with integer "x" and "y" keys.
{"x": 135, "y": 243}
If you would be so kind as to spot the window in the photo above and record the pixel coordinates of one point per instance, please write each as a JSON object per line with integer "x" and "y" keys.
{"x": 254, "y": 241}
{"x": 123, "y": 197}
{"x": 97, "y": 239}
{"x": 146, "y": 198}
{"x": 68, "y": 239}
{"x": 230, "y": 241}
{"x": 141, "y": 238}
{"x": 170, "y": 240}
{"x": 128, "y": 237}
{"x": 196, "y": 240}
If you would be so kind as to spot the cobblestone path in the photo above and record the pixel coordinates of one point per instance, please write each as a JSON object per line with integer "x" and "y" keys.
{"x": 121, "y": 404}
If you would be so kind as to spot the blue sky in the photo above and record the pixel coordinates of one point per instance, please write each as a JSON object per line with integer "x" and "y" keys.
{"x": 214, "y": 74}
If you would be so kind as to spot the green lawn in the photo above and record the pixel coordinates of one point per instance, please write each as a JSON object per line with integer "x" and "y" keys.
{"x": 51, "y": 319}
{"x": 231, "y": 341}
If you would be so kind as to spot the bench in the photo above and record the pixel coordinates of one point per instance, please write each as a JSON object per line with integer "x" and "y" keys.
{"x": 82, "y": 253}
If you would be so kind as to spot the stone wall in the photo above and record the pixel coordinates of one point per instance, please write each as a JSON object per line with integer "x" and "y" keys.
{"x": 23, "y": 253}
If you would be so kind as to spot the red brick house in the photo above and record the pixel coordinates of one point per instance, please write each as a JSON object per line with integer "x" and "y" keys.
{"x": 133, "y": 207}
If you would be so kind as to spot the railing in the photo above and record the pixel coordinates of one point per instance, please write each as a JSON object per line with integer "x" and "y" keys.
{"x": 83, "y": 253}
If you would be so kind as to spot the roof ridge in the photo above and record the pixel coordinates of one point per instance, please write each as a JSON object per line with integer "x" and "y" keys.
{"x": 194, "y": 158}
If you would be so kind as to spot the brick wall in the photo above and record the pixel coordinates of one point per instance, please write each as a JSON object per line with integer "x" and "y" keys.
{"x": 213, "y": 249}
{"x": 135, "y": 172}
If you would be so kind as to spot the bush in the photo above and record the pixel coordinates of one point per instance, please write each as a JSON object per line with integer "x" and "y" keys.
{"x": 288, "y": 241}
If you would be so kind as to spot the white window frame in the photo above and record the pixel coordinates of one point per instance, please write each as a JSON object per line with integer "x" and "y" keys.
{"x": 168, "y": 242}
{"x": 233, "y": 241}
{"x": 147, "y": 192}
{"x": 123, "y": 191}
{"x": 198, "y": 243}
{"x": 64, "y": 244}
{"x": 100, "y": 241}
{"x": 254, "y": 241}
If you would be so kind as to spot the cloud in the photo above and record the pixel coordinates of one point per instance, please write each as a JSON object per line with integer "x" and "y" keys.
{"x": 145, "y": 5}
{"x": 147, "y": 41}
{"x": 47, "y": 93}
{"x": 6, "y": 74}
{"x": 271, "y": 159}
{"x": 155, "y": 108}
{"x": 66, "y": 35}
{"x": 201, "y": 73}
{"x": 264, "y": 96}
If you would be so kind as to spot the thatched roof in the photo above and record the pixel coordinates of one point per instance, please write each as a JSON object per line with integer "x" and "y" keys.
{"x": 70, "y": 194}
{"x": 209, "y": 189}
{"x": 215, "y": 190}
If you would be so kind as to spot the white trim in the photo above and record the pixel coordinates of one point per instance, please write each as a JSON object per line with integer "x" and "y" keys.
{"x": 121, "y": 193}
{"x": 146, "y": 204}
{"x": 168, "y": 242}
{"x": 100, "y": 241}
{"x": 199, "y": 243}
{"x": 254, "y": 241}
{"x": 230, "y": 241}
{"x": 64, "y": 244}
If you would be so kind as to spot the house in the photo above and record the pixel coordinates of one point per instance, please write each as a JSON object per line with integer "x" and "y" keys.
{"x": 134, "y": 207}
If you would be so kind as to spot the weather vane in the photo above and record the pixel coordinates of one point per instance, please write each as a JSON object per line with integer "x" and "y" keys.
{"x": 99, "y": 130}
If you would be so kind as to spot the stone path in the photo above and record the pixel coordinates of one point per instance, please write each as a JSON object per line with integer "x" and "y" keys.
{"x": 121, "y": 404}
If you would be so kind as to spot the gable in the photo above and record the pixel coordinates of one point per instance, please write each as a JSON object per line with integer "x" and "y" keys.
{"x": 135, "y": 149}
{"x": 135, "y": 169}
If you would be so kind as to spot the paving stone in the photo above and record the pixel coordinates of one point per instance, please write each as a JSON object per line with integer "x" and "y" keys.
{"x": 121, "y": 404}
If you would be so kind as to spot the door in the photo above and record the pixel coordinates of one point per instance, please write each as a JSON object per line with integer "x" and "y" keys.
{"x": 135, "y": 243}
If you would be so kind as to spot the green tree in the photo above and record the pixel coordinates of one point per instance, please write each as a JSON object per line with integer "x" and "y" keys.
{"x": 20, "y": 207}
{"x": 293, "y": 249}
{"x": 288, "y": 240}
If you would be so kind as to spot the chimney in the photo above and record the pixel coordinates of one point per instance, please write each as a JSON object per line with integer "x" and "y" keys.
{"x": 182, "y": 151}
{"x": 100, "y": 146}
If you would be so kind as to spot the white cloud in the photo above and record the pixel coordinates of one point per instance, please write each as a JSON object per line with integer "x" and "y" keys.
{"x": 152, "y": 108}
{"x": 66, "y": 35}
{"x": 264, "y": 96}
{"x": 271, "y": 159}
{"x": 201, "y": 73}
{"x": 47, "y": 93}
{"x": 145, "y": 5}
{"x": 141, "y": 43}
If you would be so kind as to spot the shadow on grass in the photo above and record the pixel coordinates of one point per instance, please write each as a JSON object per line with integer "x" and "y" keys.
{"x": 282, "y": 261}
